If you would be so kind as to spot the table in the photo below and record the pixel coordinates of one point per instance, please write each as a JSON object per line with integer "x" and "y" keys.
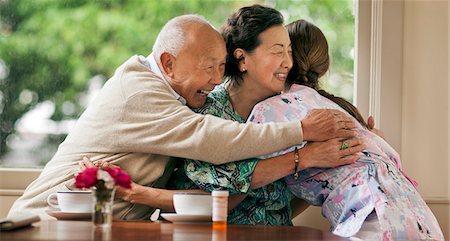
{"x": 83, "y": 230}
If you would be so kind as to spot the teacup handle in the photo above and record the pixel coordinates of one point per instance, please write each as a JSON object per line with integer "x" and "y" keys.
{"x": 51, "y": 200}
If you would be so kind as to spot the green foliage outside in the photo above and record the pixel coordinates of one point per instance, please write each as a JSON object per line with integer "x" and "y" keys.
{"x": 51, "y": 49}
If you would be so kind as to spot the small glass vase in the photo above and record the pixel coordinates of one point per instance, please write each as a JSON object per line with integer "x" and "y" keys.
{"x": 103, "y": 207}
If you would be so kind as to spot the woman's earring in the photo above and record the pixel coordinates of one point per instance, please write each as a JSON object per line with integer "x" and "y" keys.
{"x": 243, "y": 70}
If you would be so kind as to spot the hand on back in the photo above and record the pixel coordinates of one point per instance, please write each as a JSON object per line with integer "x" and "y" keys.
{"x": 326, "y": 124}
{"x": 332, "y": 153}
{"x": 371, "y": 124}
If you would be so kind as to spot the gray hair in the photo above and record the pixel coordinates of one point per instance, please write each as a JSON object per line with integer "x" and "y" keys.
{"x": 172, "y": 36}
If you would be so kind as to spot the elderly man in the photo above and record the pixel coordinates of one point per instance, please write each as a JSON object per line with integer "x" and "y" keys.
{"x": 140, "y": 118}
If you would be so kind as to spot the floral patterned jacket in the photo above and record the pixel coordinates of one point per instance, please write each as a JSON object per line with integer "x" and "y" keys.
{"x": 267, "y": 205}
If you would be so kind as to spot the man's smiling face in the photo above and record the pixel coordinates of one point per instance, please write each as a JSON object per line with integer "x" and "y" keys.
{"x": 199, "y": 66}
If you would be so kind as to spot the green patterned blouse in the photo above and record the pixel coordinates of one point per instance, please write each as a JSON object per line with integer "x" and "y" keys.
{"x": 267, "y": 205}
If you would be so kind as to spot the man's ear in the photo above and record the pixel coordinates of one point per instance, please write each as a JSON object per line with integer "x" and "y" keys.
{"x": 168, "y": 63}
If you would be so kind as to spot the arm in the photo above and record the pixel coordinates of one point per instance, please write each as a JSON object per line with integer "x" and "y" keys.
{"x": 238, "y": 177}
{"x": 152, "y": 118}
{"x": 153, "y": 197}
{"x": 162, "y": 198}
{"x": 155, "y": 122}
{"x": 313, "y": 154}
{"x": 197, "y": 136}
{"x": 264, "y": 173}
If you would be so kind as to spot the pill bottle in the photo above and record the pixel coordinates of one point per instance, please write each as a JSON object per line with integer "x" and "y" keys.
{"x": 220, "y": 209}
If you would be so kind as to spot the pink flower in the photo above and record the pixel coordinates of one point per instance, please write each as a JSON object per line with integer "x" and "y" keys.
{"x": 120, "y": 176}
{"x": 86, "y": 178}
{"x": 106, "y": 178}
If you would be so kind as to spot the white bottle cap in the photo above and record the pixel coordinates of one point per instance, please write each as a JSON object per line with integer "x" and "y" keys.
{"x": 217, "y": 193}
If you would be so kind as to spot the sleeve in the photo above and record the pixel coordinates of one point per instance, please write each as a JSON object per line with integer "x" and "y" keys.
{"x": 234, "y": 176}
{"x": 135, "y": 112}
{"x": 155, "y": 122}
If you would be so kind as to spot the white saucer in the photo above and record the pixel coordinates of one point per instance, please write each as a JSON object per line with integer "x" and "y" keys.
{"x": 68, "y": 216}
{"x": 183, "y": 218}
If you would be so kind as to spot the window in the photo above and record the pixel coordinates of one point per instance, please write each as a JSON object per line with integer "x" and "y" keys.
{"x": 56, "y": 55}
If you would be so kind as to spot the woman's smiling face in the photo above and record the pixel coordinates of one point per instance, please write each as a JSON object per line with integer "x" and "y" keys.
{"x": 269, "y": 64}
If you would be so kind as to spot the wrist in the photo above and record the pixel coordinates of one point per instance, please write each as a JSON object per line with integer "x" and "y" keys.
{"x": 130, "y": 194}
{"x": 304, "y": 161}
{"x": 305, "y": 132}
{"x": 296, "y": 163}
{"x": 136, "y": 194}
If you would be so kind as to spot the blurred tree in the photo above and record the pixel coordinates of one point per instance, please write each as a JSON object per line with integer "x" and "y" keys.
{"x": 50, "y": 49}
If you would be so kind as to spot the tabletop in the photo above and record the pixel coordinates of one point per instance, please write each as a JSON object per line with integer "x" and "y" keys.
{"x": 84, "y": 230}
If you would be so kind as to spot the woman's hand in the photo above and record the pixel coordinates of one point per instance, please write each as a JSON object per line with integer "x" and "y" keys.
{"x": 135, "y": 194}
{"x": 325, "y": 124}
{"x": 153, "y": 197}
{"x": 371, "y": 124}
{"x": 331, "y": 153}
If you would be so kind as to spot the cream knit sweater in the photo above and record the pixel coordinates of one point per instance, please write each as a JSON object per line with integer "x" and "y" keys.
{"x": 136, "y": 123}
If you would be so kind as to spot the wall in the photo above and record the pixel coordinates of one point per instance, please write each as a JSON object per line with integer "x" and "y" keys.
{"x": 425, "y": 102}
{"x": 12, "y": 184}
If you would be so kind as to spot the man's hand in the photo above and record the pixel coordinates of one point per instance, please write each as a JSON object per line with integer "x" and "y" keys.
{"x": 371, "y": 124}
{"x": 86, "y": 162}
{"x": 325, "y": 124}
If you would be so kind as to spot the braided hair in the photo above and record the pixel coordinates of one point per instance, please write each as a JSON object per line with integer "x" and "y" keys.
{"x": 311, "y": 61}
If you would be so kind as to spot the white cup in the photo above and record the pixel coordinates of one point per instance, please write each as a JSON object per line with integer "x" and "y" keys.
{"x": 72, "y": 201}
{"x": 187, "y": 203}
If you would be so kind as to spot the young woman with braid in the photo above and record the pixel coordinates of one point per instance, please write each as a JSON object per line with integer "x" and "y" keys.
{"x": 371, "y": 199}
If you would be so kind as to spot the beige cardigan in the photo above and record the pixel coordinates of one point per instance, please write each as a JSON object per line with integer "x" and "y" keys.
{"x": 135, "y": 122}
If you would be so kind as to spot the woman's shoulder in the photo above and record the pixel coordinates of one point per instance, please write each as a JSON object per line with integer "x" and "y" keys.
{"x": 294, "y": 94}
{"x": 215, "y": 101}
{"x": 219, "y": 94}
{"x": 300, "y": 88}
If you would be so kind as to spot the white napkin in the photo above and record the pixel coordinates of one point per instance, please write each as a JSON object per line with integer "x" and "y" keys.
{"x": 18, "y": 221}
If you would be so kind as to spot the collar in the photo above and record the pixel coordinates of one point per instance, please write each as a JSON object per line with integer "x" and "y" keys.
{"x": 150, "y": 62}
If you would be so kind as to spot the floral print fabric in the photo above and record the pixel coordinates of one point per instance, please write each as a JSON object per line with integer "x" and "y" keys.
{"x": 348, "y": 194}
{"x": 268, "y": 205}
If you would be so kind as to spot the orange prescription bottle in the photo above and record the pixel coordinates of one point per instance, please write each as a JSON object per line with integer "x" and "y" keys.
{"x": 220, "y": 209}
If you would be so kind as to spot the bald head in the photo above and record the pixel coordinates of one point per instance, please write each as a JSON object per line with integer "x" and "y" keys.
{"x": 179, "y": 32}
{"x": 191, "y": 55}
{"x": 202, "y": 36}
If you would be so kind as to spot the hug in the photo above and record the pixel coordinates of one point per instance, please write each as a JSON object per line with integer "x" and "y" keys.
{"x": 239, "y": 109}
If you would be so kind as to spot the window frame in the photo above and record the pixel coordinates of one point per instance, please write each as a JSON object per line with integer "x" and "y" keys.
{"x": 379, "y": 65}
{"x": 368, "y": 94}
